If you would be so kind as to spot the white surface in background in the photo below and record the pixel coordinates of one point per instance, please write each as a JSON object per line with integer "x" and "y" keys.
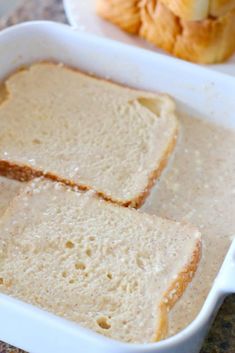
{"x": 81, "y": 14}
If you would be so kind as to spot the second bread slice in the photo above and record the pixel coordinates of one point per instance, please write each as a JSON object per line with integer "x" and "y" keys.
{"x": 85, "y": 131}
{"x": 112, "y": 269}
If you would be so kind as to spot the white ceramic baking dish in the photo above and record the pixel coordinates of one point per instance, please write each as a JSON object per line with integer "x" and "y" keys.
{"x": 198, "y": 91}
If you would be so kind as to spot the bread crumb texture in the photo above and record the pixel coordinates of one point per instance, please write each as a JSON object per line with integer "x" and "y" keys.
{"x": 8, "y": 190}
{"x": 112, "y": 269}
{"x": 85, "y": 131}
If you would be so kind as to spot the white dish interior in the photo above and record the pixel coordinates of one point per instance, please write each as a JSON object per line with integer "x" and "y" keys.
{"x": 198, "y": 91}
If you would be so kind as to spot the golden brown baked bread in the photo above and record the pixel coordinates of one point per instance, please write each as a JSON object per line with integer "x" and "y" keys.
{"x": 220, "y": 7}
{"x": 188, "y": 9}
{"x": 123, "y": 13}
{"x": 194, "y": 10}
{"x": 208, "y": 41}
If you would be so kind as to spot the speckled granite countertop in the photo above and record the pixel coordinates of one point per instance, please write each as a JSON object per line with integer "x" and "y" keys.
{"x": 222, "y": 335}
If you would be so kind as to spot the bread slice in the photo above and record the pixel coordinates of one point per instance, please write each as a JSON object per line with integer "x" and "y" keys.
{"x": 123, "y": 13}
{"x": 195, "y": 10}
{"x": 8, "y": 190}
{"x": 206, "y": 41}
{"x": 85, "y": 131}
{"x": 112, "y": 269}
{"x": 192, "y": 10}
{"x": 221, "y": 7}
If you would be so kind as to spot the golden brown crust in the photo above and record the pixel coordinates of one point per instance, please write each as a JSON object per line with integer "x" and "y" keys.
{"x": 207, "y": 41}
{"x": 195, "y": 10}
{"x": 159, "y": 25}
{"x": 191, "y": 10}
{"x": 14, "y": 171}
{"x": 221, "y": 7}
{"x": 176, "y": 290}
{"x": 123, "y": 13}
